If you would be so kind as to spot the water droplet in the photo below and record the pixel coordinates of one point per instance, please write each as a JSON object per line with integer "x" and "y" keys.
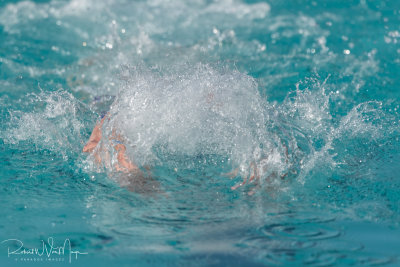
{"x": 109, "y": 45}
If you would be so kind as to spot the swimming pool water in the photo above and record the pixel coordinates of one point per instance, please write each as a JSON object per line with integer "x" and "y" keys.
{"x": 309, "y": 90}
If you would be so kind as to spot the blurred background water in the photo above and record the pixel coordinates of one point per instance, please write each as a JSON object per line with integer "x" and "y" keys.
{"x": 313, "y": 85}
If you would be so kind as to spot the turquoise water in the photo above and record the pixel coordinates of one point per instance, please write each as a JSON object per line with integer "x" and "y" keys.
{"x": 308, "y": 91}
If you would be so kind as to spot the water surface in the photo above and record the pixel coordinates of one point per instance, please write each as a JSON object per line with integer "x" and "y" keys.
{"x": 309, "y": 91}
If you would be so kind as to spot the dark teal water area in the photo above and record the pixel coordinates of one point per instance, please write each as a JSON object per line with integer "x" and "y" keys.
{"x": 305, "y": 92}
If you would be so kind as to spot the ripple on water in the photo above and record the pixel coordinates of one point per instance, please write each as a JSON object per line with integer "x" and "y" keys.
{"x": 300, "y": 239}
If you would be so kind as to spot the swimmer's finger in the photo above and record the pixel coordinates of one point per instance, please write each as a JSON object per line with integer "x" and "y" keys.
{"x": 253, "y": 190}
{"x": 239, "y": 184}
{"x": 89, "y": 147}
{"x": 236, "y": 186}
{"x": 251, "y": 178}
{"x": 231, "y": 174}
{"x": 253, "y": 171}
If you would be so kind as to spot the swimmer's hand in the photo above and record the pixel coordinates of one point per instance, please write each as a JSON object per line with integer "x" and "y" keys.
{"x": 254, "y": 176}
{"x": 124, "y": 164}
{"x": 94, "y": 138}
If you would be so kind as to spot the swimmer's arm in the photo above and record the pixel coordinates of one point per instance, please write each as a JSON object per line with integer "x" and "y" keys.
{"x": 94, "y": 138}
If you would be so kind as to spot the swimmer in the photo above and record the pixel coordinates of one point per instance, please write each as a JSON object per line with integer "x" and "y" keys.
{"x": 255, "y": 170}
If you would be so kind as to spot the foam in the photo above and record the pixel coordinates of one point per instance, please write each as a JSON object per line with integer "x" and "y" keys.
{"x": 240, "y": 10}
{"x": 197, "y": 111}
{"x": 198, "y": 115}
{"x": 328, "y": 143}
{"x": 57, "y": 123}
